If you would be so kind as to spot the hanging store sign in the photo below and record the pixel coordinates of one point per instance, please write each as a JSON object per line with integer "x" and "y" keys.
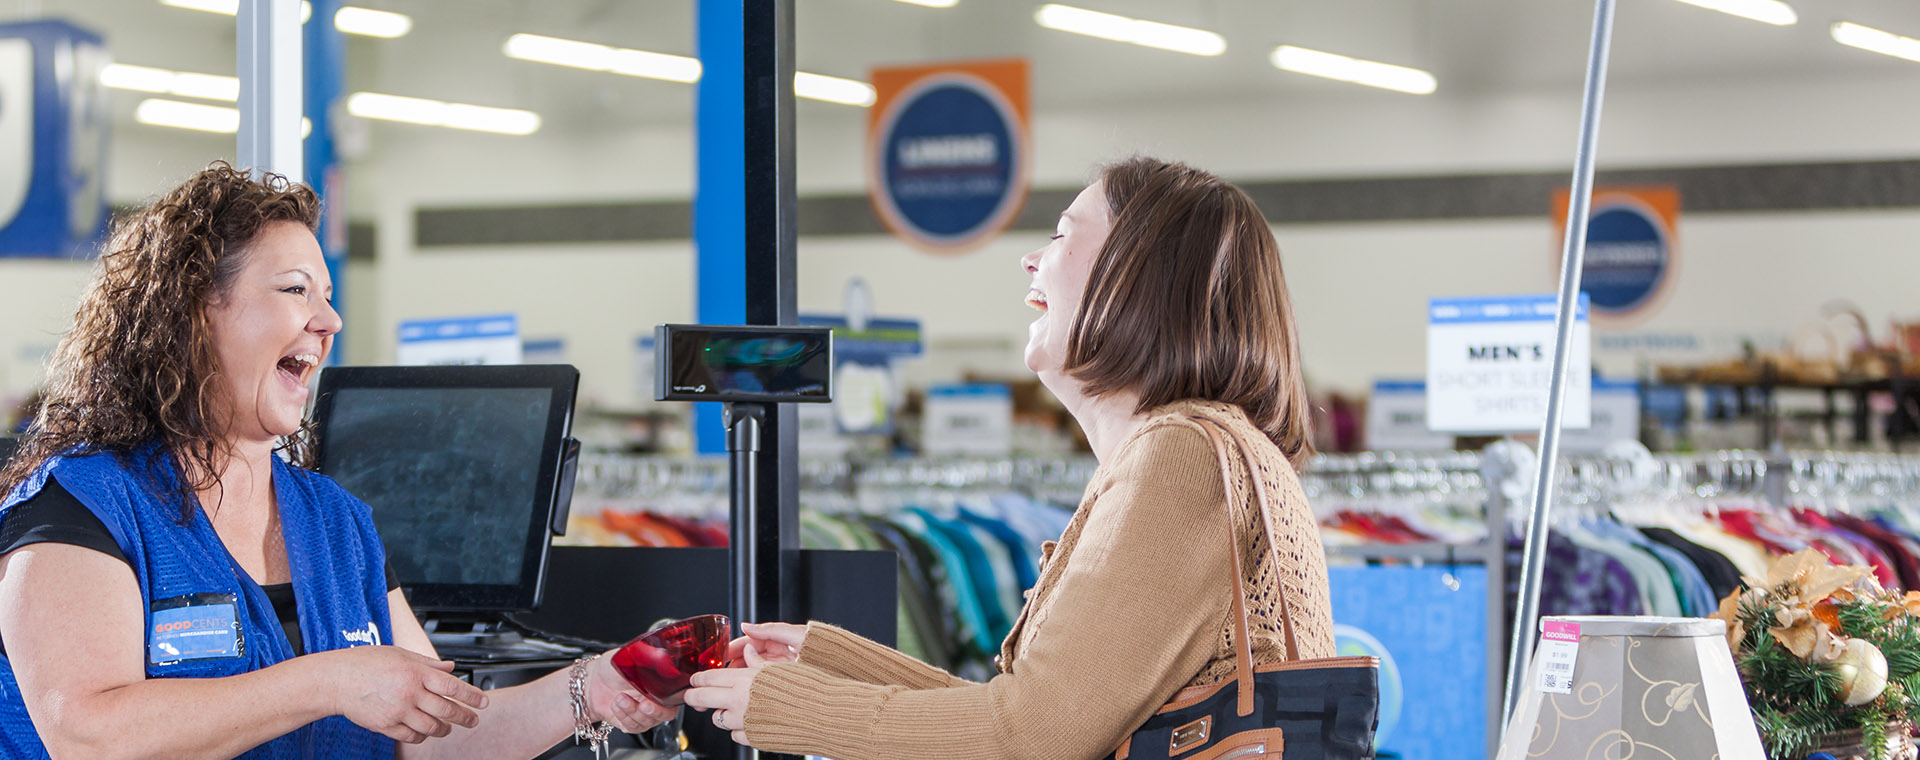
{"x": 866, "y": 384}
{"x": 53, "y": 139}
{"x": 1490, "y": 362}
{"x": 1630, "y": 248}
{"x": 491, "y": 339}
{"x": 1397, "y": 418}
{"x": 949, "y": 151}
{"x": 1616, "y": 417}
{"x": 968, "y": 419}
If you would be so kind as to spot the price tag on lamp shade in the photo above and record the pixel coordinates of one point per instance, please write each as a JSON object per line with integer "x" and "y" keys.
{"x": 1559, "y": 650}
{"x": 1490, "y": 362}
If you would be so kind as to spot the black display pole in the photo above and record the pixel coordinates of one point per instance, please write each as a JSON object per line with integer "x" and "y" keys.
{"x": 743, "y": 483}
{"x": 766, "y": 529}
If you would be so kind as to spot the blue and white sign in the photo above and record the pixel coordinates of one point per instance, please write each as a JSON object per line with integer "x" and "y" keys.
{"x": 1616, "y": 417}
{"x": 1397, "y": 418}
{"x": 1626, "y": 258}
{"x": 548, "y": 350}
{"x": 968, "y": 419}
{"x": 866, "y": 387}
{"x": 490, "y": 339}
{"x": 1428, "y": 626}
{"x": 53, "y": 139}
{"x": 949, "y": 152}
{"x": 1490, "y": 362}
{"x": 1631, "y": 237}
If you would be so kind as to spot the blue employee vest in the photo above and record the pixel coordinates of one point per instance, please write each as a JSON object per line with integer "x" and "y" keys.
{"x": 333, "y": 552}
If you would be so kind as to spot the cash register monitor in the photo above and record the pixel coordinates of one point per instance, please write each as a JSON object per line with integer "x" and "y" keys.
{"x": 463, "y": 467}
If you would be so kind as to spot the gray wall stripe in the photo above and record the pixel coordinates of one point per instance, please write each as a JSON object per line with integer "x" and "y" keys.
{"x": 1703, "y": 189}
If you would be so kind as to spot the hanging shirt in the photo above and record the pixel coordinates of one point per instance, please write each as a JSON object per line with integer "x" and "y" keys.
{"x": 1721, "y": 575}
{"x": 1574, "y": 581}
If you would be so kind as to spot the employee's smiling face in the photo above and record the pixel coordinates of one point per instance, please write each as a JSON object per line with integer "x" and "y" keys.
{"x": 272, "y": 328}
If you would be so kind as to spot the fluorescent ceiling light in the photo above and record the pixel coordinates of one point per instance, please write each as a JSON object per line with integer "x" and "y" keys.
{"x": 833, "y": 89}
{"x": 173, "y": 113}
{"x": 351, "y": 20}
{"x": 1769, "y": 11}
{"x": 1869, "y": 38}
{"x": 1108, "y": 26}
{"x": 933, "y": 3}
{"x": 148, "y": 79}
{"x": 597, "y": 57}
{"x": 127, "y": 77}
{"x": 368, "y": 22}
{"x": 208, "y": 86}
{"x": 434, "y": 113}
{"x": 1371, "y": 73}
{"x": 229, "y": 7}
{"x": 593, "y": 56}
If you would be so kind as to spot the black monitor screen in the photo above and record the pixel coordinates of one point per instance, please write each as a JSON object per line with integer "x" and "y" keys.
{"x": 760, "y": 364}
{"x": 459, "y": 465}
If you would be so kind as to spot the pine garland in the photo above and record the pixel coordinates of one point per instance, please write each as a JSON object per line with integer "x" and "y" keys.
{"x": 1796, "y": 704}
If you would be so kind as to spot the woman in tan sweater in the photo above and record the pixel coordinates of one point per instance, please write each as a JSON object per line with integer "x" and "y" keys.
{"x": 1161, "y": 299}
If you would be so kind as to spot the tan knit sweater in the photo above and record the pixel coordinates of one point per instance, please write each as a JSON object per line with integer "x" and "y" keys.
{"x": 1131, "y": 606}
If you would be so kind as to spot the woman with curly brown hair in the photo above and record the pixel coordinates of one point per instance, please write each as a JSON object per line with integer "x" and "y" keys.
{"x": 170, "y": 585}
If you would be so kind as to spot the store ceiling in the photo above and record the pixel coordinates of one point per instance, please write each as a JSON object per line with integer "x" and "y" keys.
{"x": 1475, "y": 48}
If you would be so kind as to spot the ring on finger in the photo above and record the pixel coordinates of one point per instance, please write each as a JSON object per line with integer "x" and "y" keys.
{"x": 720, "y": 718}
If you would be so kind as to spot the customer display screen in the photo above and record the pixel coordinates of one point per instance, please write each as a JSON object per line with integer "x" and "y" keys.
{"x": 746, "y": 364}
{"x": 461, "y": 479}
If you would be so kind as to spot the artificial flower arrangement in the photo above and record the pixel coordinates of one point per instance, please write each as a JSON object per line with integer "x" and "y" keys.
{"x": 1825, "y": 652}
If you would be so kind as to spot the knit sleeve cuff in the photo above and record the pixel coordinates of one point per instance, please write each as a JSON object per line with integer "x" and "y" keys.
{"x": 844, "y": 653}
{"x": 801, "y": 709}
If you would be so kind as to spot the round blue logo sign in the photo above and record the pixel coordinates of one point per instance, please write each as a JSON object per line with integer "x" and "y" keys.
{"x": 1628, "y": 257}
{"x": 950, "y": 163}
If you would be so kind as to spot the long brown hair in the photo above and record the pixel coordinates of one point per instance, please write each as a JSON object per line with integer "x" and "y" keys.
{"x": 138, "y": 366}
{"x": 1187, "y": 301}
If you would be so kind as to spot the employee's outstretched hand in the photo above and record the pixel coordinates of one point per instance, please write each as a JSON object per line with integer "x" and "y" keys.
{"x": 725, "y": 691}
{"x": 405, "y": 696}
{"x": 772, "y": 642}
{"x": 612, "y": 699}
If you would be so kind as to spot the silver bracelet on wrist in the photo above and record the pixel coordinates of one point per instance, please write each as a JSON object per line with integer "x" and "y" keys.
{"x": 584, "y": 727}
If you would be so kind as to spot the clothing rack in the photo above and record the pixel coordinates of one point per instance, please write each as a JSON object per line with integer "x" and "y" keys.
{"x": 698, "y": 487}
{"x": 1405, "y": 479}
{"x": 1488, "y": 483}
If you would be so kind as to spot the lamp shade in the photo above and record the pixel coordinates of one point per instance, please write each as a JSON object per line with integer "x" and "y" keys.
{"x": 1642, "y": 687}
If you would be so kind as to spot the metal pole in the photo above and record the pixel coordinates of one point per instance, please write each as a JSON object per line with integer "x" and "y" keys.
{"x": 268, "y": 41}
{"x": 743, "y": 452}
{"x": 771, "y": 234}
{"x": 1527, "y": 616}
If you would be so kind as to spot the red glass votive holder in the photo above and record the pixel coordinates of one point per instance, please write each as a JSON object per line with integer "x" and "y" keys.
{"x": 660, "y": 662}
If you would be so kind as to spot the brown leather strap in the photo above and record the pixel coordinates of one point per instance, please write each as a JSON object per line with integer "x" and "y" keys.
{"x": 1273, "y": 546}
{"x": 1242, "y": 643}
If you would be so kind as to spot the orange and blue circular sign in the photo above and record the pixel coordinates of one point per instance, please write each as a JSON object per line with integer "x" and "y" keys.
{"x": 949, "y": 152}
{"x": 1630, "y": 262}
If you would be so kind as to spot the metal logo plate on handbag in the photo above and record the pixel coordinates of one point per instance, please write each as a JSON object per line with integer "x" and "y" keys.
{"x": 1191, "y": 735}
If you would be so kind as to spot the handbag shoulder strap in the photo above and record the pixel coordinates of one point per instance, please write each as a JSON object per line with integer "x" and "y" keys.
{"x": 1242, "y": 643}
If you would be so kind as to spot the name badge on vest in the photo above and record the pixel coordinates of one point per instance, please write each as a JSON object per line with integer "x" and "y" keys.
{"x": 194, "y": 627}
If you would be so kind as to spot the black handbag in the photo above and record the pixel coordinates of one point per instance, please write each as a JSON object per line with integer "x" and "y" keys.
{"x": 1322, "y": 709}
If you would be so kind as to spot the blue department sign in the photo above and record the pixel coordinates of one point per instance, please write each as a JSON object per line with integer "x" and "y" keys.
{"x": 53, "y": 139}
{"x": 1630, "y": 259}
{"x": 949, "y": 151}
